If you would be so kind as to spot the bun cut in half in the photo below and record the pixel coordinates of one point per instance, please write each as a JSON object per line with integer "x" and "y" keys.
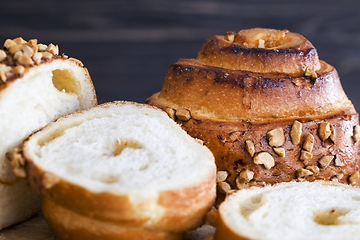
{"x": 291, "y": 210}
{"x": 37, "y": 86}
{"x": 120, "y": 170}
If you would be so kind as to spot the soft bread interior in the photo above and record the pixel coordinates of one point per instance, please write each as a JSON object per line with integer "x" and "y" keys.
{"x": 43, "y": 94}
{"x": 307, "y": 210}
{"x": 121, "y": 148}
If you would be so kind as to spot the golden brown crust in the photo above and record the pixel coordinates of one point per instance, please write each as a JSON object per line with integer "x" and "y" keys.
{"x": 223, "y": 231}
{"x": 229, "y": 107}
{"x": 280, "y": 52}
{"x": 68, "y": 224}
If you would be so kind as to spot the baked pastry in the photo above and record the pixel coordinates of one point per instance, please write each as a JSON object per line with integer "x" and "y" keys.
{"x": 120, "y": 170}
{"x": 267, "y": 107}
{"x": 291, "y": 210}
{"x": 36, "y": 86}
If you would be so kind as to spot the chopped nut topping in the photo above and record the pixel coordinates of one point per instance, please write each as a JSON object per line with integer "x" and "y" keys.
{"x": 17, "y": 55}
{"x": 17, "y": 161}
{"x": 14, "y": 49}
{"x": 315, "y": 169}
{"x": 276, "y": 137}
{"x": 246, "y": 175}
{"x": 356, "y": 135}
{"x": 42, "y": 47}
{"x": 295, "y": 133}
{"x": 25, "y": 60}
{"x": 264, "y": 158}
{"x": 223, "y": 187}
{"x": 221, "y": 176}
{"x": 46, "y": 55}
{"x": 280, "y": 151}
{"x": 229, "y": 36}
{"x": 3, "y": 71}
{"x": 170, "y": 112}
{"x": 234, "y": 136}
{"x": 183, "y": 114}
{"x": 37, "y": 57}
{"x": 49, "y": 180}
{"x": 305, "y": 155}
{"x": 309, "y": 142}
{"x": 28, "y": 51}
{"x": 338, "y": 161}
{"x": 337, "y": 177}
{"x": 19, "y": 40}
{"x": 324, "y": 161}
{"x": 2, "y": 55}
{"x": 325, "y": 130}
{"x": 53, "y": 49}
{"x": 250, "y": 147}
{"x": 354, "y": 177}
{"x": 303, "y": 173}
{"x": 310, "y": 73}
{"x": 19, "y": 69}
{"x": 9, "y": 43}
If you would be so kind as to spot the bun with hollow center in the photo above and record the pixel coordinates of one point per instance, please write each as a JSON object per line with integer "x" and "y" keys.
{"x": 267, "y": 107}
{"x": 37, "y": 86}
{"x": 291, "y": 210}
{"x": 120, "y": 168}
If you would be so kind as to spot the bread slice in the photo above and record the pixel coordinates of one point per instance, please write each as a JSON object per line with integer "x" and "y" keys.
{"x": 124, "y": 164}
{"x": 292, "y": 210}
{"x": 33, "y": 92}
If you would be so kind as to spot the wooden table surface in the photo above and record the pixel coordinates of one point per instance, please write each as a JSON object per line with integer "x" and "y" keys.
{"x": 128, "y": 45}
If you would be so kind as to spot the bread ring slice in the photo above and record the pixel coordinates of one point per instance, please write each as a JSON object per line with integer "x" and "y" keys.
{"x": 291, "y": 210}
{"x": 125, "y": 164}
{"x": 37, "y": 86}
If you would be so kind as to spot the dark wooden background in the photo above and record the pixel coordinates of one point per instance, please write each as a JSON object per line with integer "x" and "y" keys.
{"x": 128, "y": 45}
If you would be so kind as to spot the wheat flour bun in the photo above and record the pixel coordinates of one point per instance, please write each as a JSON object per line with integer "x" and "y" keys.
{"x": 292, "y": 210}
{"x": 267, "y": 107}
{"x": 123, "y": 165}
{"x": 36, "y": 86}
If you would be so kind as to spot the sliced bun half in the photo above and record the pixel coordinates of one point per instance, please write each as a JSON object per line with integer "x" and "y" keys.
{"x": 123, "y": 164}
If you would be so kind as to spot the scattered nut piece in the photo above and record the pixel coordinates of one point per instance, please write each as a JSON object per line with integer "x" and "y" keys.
{"x": 221, "y": 176}
{"x": 279, "y": 151}
{"x": 303, "y": 173}
{"x": 324, "y": 161}
{"x": 337, "y": 177}
{"x": 305, "y": 155}
{"x": 46, "y": 55}
{"x": 37, "y": 57}
{"x": 19, "y": 40}
{"x": 356, "y": 135}
{"x": 338, "y": 161}
{"x": 309, "y": 142}
{"x": 229, "y": 36}
{"x": 28, "y": 51}
{"x": 264, "y": 158}
{"x": 250, "y": 147}
{"x": 25, "y": 60}
{"x": 354, "y": 177}
{"x": 170, "y": 112}
{"x": 183, "y": 114}
{"x": 332, "y": 135}
{"x": 9, "y": 43}
{"x": 17, "y": 161}
{"x": 246, "y": 175}
{"x": 14, "y": 49}
{"x": 42, "y": 47}
{"x": 295, "y": 133}
{"x": 17, "y": 55}
{"x": 324, "y": 130}
{"x": 315, "y": 169}
{"x": 2, "y": 55}
{"x": 276, "y": 137}
{"x": 49, "y": 180}
{"x": 310, "y": 73}
{"x": 19, "y": 69}
{"x": 234, "y": 136}
{"x": 53, "y": 49}
{"x": 223, "y": 187}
